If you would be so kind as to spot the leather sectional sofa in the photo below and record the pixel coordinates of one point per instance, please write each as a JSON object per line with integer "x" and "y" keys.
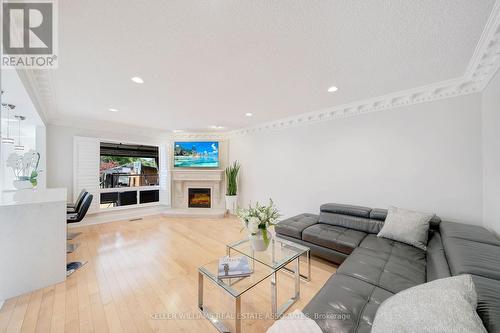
{"x": 373, "y": 269}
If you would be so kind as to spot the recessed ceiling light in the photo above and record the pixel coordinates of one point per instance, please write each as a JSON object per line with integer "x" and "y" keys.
{"x": 249, "y": 114}
{"x": 333, "y": 89}
{"x": 137, "y": 79}
{"x": 217, "y": 127}
{"x": 113, "y": 110}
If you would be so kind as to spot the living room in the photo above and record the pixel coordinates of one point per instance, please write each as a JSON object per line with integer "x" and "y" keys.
{"x": 250, "y": 166}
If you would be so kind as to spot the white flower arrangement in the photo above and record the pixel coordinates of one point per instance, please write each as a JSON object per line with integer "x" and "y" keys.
{"x": 259, "y": 218}
{"x": 25, "y": 166}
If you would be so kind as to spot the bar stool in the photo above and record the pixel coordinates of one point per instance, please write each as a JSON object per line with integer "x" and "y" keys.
{"x": 78, "y": 216}
{"x": 73, "y": 209}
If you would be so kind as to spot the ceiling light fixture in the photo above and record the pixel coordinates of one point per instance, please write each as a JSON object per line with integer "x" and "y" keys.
{"x": 177, "y": 131}
{"x": 333, "y": 89}
{"x": 113, "y": 110}
{"x": 8, "y": 107}
{"x": 249, "y": 114}
{"x": 19, "y": 146}
{"x": 137, "y": 79}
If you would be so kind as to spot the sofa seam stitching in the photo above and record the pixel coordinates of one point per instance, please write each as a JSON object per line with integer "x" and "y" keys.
{"x": 368, "y": 282}
{"x": 383, "y": 267}
{"x": 364, "y": 306}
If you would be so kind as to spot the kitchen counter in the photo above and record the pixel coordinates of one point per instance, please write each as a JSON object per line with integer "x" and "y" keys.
{"x": 32, "y": 240}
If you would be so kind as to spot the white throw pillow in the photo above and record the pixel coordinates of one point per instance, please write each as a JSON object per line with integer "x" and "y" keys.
{"x": 406, "y": 226}
{"x": 295, "y": 322}
{"x": 441, "y": 306}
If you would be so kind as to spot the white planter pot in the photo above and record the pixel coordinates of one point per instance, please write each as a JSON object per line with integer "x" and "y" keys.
{"x": 231, "y": 203}
{"x": 258, "y": 243}
{"x": 22, "y": 184}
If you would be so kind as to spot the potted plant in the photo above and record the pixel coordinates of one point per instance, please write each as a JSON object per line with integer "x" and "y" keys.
{"x": 25, "y": 169}
{"x": 232, "y": 187}
{"x": 258, "y": 220}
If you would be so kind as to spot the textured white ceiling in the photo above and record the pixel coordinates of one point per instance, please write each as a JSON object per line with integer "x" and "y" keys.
{"x": 14, "y": 93}
{"x": 210, "y": 62}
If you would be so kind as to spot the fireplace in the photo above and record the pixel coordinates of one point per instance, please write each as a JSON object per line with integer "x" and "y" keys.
{"x": 199, "y": 198}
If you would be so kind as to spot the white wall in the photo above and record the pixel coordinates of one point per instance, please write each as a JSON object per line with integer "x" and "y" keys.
{"x": 491, "y": 153}
{"x": 425, "y": 157}
{"x": 60, "y": 151}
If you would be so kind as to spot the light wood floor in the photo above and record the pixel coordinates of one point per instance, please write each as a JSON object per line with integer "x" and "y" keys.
{"x": 141, "y": 270}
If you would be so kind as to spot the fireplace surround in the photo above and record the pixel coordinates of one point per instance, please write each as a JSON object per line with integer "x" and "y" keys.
{"x": 185, "y": 179}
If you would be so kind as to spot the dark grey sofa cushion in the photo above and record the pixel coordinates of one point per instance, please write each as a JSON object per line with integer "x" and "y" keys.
{"x": 488, "y": 302}
{"x": 346, "y": 304}
{"x": 474, "y": 250}
{"x": 333, "y": 237}
{"x": 320, "y": 251}
{"x": 465, "y": 256}
{"x": 467, "y": 231}
{"x": 294, "y": 226}
{"x": 393, "y": 271}
{"x": 379, "y": 244}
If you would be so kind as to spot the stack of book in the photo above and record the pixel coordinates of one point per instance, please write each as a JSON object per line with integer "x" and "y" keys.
{"x": 233, "y": 267}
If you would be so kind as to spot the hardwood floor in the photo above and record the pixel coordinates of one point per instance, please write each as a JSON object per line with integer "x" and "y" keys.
{"x": 139, "y": 271}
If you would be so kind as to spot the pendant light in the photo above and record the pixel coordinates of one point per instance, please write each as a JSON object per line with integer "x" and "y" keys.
{"x": 7, "y": 139}
{"x": 19, "y": 147}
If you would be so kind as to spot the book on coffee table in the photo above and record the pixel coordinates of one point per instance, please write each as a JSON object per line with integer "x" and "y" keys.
{"x": 233, "y": 267}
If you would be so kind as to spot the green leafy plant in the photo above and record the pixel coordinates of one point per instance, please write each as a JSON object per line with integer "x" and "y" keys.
{"x": 259, "y": 218}
{"x": 231, "y": 178}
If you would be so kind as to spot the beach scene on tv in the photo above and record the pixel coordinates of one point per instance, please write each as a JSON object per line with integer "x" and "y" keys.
{"x": 196, "y": 154}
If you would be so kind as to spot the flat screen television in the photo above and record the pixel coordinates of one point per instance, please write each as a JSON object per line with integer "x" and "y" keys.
{"x": 196, "y": 154}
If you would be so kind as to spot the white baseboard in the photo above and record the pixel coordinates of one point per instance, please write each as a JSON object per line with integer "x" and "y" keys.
{"x": 195, "y": 212}
{"x": 134, "y": 213}
{"x": 120, "y": 215}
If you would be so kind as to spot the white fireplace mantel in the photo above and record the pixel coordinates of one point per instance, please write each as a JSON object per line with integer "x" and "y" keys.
{"x": 198, "y": 175}
{"x": 183, "y": 179}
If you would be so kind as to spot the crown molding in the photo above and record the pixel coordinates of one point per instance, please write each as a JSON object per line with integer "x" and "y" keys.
{"x": 109, "y": 127}
{"x": 125, "y": 129}
{"x": 485, "y": 61}
{"x": 201, "y": 136}
{"x": 433, "y": 92}
{"x": 39, "y": 85}
{"x": 482, "y": 67}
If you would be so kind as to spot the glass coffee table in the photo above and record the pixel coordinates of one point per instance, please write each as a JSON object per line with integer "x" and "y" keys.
{"x": 264, "y": 264}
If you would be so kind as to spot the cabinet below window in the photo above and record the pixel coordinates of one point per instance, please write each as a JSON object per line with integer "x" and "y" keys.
{"x": 121, "y": 197}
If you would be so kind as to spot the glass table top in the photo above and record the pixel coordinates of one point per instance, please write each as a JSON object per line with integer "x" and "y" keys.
{"x": 236, "y": 286}
{"x": 280, "y": 252}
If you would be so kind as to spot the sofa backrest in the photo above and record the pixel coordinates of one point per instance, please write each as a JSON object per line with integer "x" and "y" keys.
{"x": 352, "y": 217}
{"x": 360, "y": 218}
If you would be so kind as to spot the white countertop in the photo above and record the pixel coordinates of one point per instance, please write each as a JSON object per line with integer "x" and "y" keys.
{"x": 34, "y": 196}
